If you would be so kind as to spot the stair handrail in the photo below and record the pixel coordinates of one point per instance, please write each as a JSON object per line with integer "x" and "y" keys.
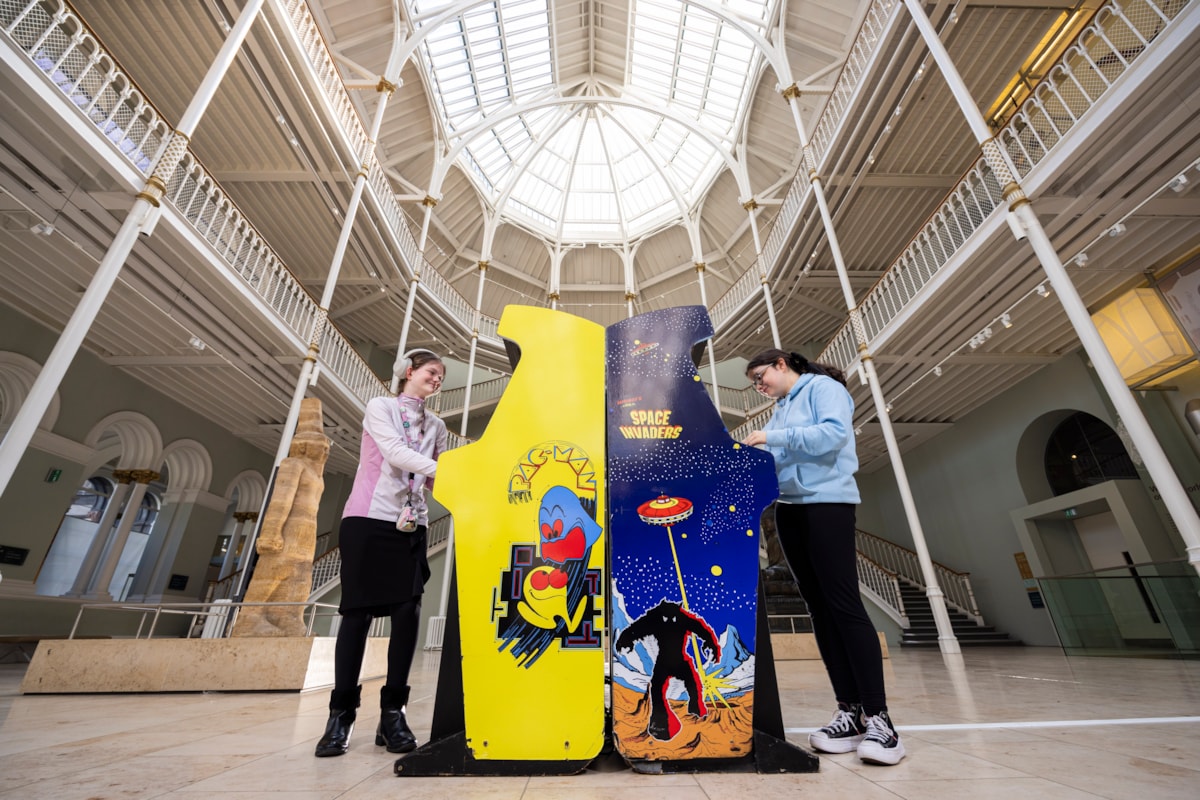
{"x": 956, "y": 586}
{"x": 223, "y": 589}
{"x": 883, "y": 585}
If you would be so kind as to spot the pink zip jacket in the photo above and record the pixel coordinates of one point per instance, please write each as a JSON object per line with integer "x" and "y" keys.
{"x": 388, "y": 456}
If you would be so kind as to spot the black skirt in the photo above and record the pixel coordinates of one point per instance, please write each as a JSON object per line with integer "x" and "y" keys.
{"x": 381, "y": 566}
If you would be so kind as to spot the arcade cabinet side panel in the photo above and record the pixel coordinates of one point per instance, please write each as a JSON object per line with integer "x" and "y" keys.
{"x": 684, "y": 504}
{"x": 528, "y": 501}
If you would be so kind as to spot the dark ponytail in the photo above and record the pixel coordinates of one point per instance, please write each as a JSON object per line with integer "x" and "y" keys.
{"x": 797, "y": 363}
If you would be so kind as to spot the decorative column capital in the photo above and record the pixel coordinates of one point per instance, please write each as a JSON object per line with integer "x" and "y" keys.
{"x": 630, "y": 296}
{"x": 750, "y": 204}
{"x": 123, "y": 475}
{"x": 387, "y": 87}
{"x": 144, "y": 475}
{"x": 245, "y": 516}
{"x": 156, "y": 184}
{"x": 700, "y": 266}
{"x": 553, "y": 295}
{"x": 483, "y": 265}
{"x": 790, "y": 92}
{"x": 429, "y": 201}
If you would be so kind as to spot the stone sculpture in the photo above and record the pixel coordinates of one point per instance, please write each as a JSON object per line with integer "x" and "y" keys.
{"x": 287, "y": 539}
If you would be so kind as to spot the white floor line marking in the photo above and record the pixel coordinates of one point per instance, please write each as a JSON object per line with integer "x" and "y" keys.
{"x": 1031, "y": 678}
{"x": 1060, "y": 723}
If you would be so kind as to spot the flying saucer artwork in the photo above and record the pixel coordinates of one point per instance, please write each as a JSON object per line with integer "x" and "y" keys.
{"x": 684, "y": 503}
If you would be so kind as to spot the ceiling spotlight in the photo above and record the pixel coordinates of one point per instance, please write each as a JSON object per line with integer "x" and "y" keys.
{"x": 1081, "y": 259}
{"x": 1042, "y": 290}
{"x": 1006, "y": 320}
{"x": 1116, "y": 230}
{"x": 1178, "y": 182}
{"x": 858, "y": 431}
{"x": 42, "y": 229}
{"x": 938, "y": 370}
{"x": 197, "y": 343}
{"x": 888, "y": 408}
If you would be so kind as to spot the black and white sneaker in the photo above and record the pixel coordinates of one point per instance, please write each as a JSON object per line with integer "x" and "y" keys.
{"x": 843, "y": 733}
{"x": 882, "y": 744}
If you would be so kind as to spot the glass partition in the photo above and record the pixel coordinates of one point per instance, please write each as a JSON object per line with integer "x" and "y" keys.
{"x": 1144, "y": 610}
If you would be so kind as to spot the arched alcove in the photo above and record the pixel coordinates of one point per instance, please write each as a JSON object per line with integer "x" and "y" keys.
{"x": 17, "y": 374}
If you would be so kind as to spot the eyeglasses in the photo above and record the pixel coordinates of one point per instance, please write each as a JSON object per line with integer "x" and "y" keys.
{"x": 757, "y": 378}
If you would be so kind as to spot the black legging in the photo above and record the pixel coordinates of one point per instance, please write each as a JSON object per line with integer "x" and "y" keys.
{"x": 352, "y": 644}
{"x": 818, "y": 542}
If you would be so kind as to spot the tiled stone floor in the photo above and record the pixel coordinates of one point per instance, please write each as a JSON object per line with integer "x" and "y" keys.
{"x": 1004, "y": 723}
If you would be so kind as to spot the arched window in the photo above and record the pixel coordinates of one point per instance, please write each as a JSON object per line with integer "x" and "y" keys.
{"x": 90, "y": 499}
{"x": 1084, "y": 451}
{"x": 146, "y": 514}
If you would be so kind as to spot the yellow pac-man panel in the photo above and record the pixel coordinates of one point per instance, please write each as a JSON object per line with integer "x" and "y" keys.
{"x": 529, "y": 507}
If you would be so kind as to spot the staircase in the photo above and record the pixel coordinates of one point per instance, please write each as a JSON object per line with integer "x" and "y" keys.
{"x": 786, "y": 609}
{"x": 890, "y": 575}
{"x": 922, "y": 632}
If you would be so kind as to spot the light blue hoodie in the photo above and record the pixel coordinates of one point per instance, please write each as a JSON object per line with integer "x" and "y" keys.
{"x": 811, "y": 436}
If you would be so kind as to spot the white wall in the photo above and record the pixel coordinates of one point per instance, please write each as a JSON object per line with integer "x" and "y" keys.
{"x": 966, "y": 480}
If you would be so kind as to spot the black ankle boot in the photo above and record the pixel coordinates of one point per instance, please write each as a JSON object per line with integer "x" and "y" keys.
{"x": 342, "y": 705}
{"x": 393, "y": 731}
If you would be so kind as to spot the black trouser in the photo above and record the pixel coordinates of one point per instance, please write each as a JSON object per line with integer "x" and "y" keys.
{"x": 818, "y": 541}
{"x": 352, "y": 645}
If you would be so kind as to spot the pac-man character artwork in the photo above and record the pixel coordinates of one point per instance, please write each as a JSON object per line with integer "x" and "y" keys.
{"x": 528, "y": 502}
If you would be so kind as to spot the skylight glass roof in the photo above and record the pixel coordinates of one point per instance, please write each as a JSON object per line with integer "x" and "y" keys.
{"x": 609, "y": 163}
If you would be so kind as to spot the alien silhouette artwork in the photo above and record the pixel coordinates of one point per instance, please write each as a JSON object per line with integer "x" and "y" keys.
{"x": 684, "y": 503}
{"x": 671, "y": 626}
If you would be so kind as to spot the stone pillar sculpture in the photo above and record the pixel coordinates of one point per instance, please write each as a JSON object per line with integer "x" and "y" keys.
{"x": 288, "y": 536}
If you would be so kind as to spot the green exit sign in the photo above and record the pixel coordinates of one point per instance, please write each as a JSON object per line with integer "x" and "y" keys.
{"x": 53, "y": 475}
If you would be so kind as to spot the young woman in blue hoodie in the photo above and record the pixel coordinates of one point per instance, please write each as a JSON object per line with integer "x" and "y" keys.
{"x": 811, "y": 437}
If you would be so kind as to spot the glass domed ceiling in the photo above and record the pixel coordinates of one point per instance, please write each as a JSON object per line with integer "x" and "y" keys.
{"x": 581, "y": 158}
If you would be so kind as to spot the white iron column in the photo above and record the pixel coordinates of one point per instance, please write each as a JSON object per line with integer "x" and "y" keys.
{"x": 712, "y": 347}
{"x": 141, "y": 482}
{"x": 557, "y": 254}
{"x": 307, "y": 376}
{"x": 308, "y": 368}
{"x": 414, "y": 285}
{"x": 947, "y": 641}
{"x": 1166, "y": 480}
{"x": 462, "y": 430}
{"x": 751, "y": 207}
{"x": 83, "y": 578}
{"x": 141, "y": 219}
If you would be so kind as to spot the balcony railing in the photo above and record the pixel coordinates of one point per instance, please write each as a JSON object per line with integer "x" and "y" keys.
{"x": 451, "y": 401}
{"x": 1105, "y": 50}
{"x": 308, "y": 37}
{"x": 61, "y": 47}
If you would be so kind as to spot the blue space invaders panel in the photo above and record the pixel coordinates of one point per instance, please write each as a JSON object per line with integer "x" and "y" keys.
{"x": 684, "y": 503}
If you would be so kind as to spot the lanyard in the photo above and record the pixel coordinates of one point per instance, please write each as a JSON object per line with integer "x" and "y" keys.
{"x": 415, "y": 446}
